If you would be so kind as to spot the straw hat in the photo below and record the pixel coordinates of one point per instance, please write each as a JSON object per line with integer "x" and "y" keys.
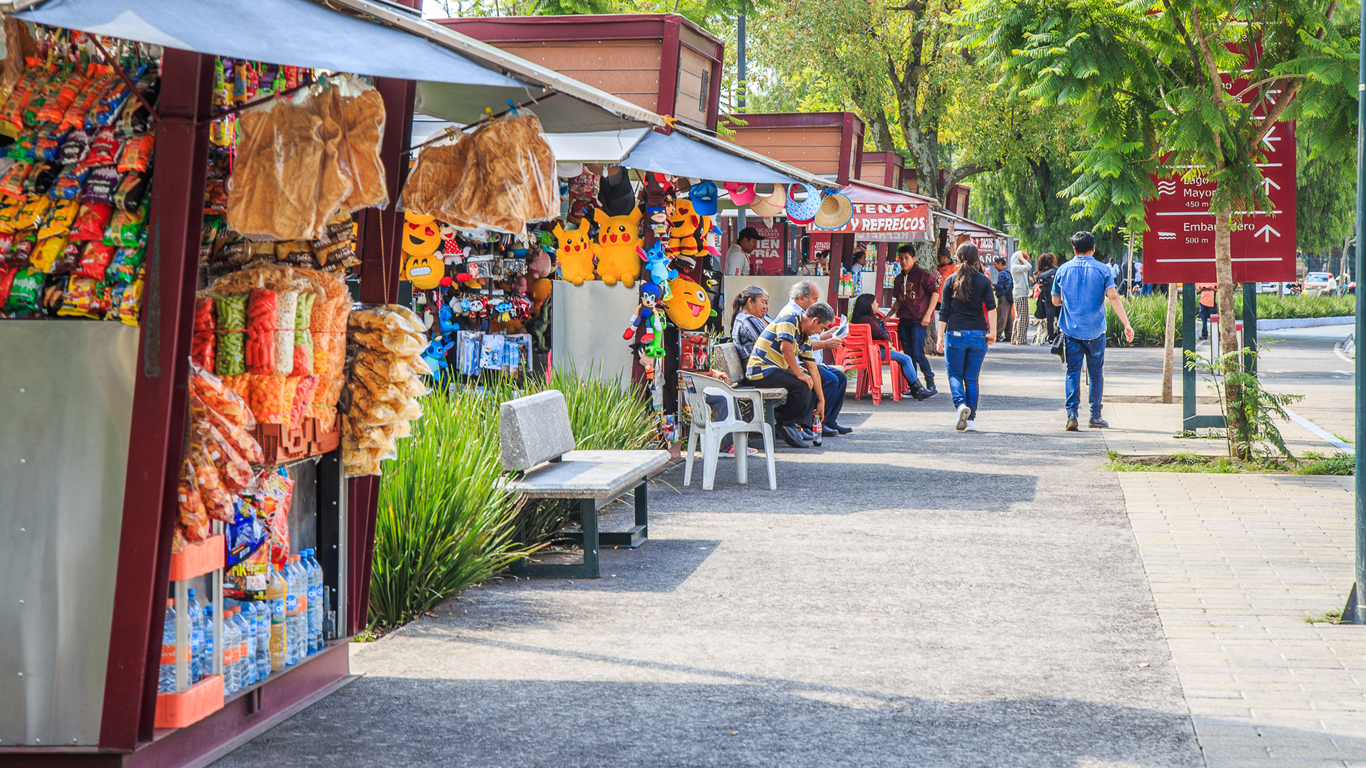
{"x": 769, "y": 205}
{"x": 835, "y": 212}
{"x": 741, "y": 193}
{"x": 803, "y": 212}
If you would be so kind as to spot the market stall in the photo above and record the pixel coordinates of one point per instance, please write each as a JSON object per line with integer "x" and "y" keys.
{"x": 184, "y": 223}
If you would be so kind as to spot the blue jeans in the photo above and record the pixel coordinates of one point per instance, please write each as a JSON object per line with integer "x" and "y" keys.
{"x": 907, "y": 367}
{"x": 834, "y": 382}
{"x": 912, "y": 335}
{"x": 1093, "y": 352}
{"x": 963, "y": 352}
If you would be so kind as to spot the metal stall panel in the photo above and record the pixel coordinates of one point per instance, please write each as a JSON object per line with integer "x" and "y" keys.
{"x": 588, "y": 322}
{"x": 64, "y": 446}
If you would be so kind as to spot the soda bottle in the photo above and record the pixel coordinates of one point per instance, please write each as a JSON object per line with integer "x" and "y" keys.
{"x": 246, "y": 647}
{"x": 232, "y": 672}
{"x": 315, "y": 604}
{"x": 201, "y": 642}
{"x": 276, "y": 594}
{"x": 166, "y": 680}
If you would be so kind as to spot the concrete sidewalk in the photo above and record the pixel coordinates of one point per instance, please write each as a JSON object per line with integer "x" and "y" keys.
{"x": 910, "y": 596}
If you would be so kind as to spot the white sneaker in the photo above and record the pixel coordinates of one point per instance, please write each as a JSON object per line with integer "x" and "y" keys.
{"x": 962, "y": 418}
{"x": 971, "y": 427}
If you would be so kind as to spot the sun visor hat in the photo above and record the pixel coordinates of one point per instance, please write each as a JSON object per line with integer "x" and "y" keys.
{"x": 803, "y": 212}
{"x": 770, "y": 205}
{"x": 703, "y": 197}
{"x": 836, "y": 211}
{"x": 741, "y": 193}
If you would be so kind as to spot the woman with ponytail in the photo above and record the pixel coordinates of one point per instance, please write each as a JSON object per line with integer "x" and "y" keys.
{"x": 967, "y": 322}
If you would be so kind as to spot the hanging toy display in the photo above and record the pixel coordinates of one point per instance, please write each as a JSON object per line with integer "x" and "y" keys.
{"x": 648, "y": 315}
{"x": 421, "y": 240}
{"x": 657, "y": 266}
{"x": 683, "y": 228}
{"x": 617, "y": 247}
{"x": 689, "y": 307}
{"x": 575, "y": 254}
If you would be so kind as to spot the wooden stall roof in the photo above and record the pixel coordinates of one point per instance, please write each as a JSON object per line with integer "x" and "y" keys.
{"x": 884, "y": 168}
{"x": 659, "y": 61}
{"x": 824, "y": 143}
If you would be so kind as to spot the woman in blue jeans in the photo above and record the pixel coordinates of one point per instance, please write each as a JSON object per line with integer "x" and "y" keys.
{"x": 865, "y": 312}
{"x": 967, "y": 322}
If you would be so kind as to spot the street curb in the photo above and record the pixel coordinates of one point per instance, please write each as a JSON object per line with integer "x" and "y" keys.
{"x": 1347, "y": 348}
{"x": 1304, "y": 322}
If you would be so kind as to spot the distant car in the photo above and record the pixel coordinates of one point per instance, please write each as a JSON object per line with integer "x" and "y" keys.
{"x": 1316, "y": 282}
{"x": 1272, "y": 287}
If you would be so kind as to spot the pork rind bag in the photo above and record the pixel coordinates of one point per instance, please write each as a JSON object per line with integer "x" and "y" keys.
{"x": 278, "y": 187}
{"x": 385, "y": 348}
{"x": 358, "y": 110}
{"x": 516, "y": 175}
{"x": 436, "y": 179}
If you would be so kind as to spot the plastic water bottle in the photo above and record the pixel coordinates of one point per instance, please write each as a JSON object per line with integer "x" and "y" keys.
{"x": 246, "y": 647}
{"x": 315, "y": 604}
{"x": 166, "y": 680}
{"x": 262, "y": 641}
{"x": 232, "y": 672}
{"x": 201, "y": 642}
{"x": 206, "y": 663}
{"x": 296, "y": 610}
{"x": 276, "y": 595}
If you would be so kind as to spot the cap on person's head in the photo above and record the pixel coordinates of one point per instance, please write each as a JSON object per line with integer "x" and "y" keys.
{"x": 1083, "y": 242}
{"x": 704, "y": 198}
{"x": 749, "y": 233}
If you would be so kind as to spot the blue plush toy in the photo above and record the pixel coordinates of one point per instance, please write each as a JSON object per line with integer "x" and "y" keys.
{"x": 657, "y": 264}
{"x": 435, "y": 356}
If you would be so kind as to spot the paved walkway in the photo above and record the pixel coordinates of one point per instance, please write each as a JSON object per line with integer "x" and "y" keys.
{"x": 910, "y": 596}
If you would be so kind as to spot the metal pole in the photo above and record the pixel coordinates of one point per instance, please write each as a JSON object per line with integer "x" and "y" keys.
{"x": 1353, "y": 613}
{"x": 1250, "y": 327}
{"x": 741, "y": 86}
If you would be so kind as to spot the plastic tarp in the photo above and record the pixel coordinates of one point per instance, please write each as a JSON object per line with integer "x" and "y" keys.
{"x": 696, "y": 156}
{"x": 582, "y": 147}
{"x": 292, "y": 32}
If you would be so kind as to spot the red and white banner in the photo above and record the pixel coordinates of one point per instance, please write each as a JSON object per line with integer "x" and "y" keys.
{"x": 887, "y": 222}
{"x": 768, "y": 257}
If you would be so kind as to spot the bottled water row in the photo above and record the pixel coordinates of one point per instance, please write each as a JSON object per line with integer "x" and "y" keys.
{"x": 258, "y": 638}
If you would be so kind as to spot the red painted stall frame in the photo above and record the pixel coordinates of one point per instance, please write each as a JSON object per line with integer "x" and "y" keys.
{"x": 128, "y": 732}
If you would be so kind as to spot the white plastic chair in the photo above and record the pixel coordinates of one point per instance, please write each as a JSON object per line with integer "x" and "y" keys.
{"x": 696, "y": 387}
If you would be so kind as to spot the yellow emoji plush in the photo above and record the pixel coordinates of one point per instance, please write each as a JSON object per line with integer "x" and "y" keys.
{"x": 574, "y": 253}
{"x": 689, "y": 307}
{"x": 683, "y": 227}
{"x": 421, "y": 239}
{"x": 618, "y": 247}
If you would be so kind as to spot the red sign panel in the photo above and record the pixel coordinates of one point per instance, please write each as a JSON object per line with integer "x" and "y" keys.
{"x": 1179, "y": 244}
{"x": 768, "y": 258}
{"x": 888, "y": 222}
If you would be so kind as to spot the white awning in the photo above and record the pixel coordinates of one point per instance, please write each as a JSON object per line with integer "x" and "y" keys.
{"x": 608, "y": 147}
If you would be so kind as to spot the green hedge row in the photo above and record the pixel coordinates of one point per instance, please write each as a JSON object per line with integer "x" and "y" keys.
{"x": 1148, "y": 314}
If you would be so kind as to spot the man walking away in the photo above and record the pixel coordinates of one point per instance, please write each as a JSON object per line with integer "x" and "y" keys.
{"x": 737, "y": 257}
{"x": 1020, "y": 270}
{"x": 1081, "y": 287}
{"x": 917, "y": 294}
{"x": 1005, "y": 298}
{"x": 783, "y": 358}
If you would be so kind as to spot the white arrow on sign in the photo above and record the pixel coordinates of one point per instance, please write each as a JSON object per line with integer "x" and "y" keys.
{"x": 1270, "y": 137}
{"x": 1268, "y": 231}
{"x": 1267, "y": 184}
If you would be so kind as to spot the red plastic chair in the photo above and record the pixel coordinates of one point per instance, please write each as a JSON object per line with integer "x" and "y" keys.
{"x": 857, "y": 360}
{"x": 892, "y": 324}
{"x": 878, "y": 354}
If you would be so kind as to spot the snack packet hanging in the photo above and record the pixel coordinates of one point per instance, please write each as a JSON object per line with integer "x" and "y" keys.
{"x": 95, "y": 260}
{"x": 261, "y": 317}
{"x": 25, "y": 290}
{"x": 248, "y": 555}
{"x": 131, "y": 304}
{"x": 203, "y": 337}
{"x": 193, "y": 518}
{"x": 45, "y": 255}
{"x": 126, "y": 264}
{"x": 232, "y": 335}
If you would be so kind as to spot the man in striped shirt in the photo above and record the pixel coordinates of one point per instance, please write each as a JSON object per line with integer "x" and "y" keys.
{"x": 783, "y": 358}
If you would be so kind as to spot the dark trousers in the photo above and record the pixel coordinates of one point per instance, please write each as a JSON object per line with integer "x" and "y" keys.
{"x": 834, "y": 383}
{"x": 1050, "y": 314}
{"x": 1092, "y": 353}
{"x": 800, "y": 399}
{"x": 912, "y": 335}
{"x": 1204, "y": 313}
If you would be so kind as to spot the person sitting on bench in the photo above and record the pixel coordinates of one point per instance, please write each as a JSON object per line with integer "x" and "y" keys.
{"x": 783, "y": 358}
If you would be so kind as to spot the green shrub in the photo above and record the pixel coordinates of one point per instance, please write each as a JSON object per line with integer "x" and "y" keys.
{"x": 1148, "y": 314}
{"x": 444, "y": 520}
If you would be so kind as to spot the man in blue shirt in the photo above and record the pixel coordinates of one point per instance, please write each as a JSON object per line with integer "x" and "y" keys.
{"x": 1081, "y": 287}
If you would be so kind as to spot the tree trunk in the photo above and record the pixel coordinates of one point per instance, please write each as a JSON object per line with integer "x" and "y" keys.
{"x": 1169, "y": 342}
{"x": 1228, "y": 333}
{"x": 1344, "y": 276}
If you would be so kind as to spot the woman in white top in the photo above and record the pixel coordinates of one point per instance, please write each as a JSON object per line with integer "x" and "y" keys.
{"x": 1020, "y": 270}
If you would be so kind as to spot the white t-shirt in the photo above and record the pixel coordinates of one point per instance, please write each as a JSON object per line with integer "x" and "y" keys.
{"x": 737, "y": 261}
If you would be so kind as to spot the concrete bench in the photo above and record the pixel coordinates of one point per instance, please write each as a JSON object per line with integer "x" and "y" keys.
{"x": 735, "y": 370}
{"x": 538, "y": 448}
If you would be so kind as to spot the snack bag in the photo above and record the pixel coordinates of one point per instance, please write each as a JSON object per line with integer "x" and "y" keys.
{"x": 125, "y": 229}
{"x": 131, "y": 303}
{"x": 126, "y": 264}
{"x": 248, "y": 556}
{"x": 45, "y": 256}
{"x": 136, "y": 153}
{"x": 276, "y": 494}
{"x": 131, "y": 191}
{"x": 95, "y": 260}
{"x": 203, "y": 338}
{"x": 84, "y": 298}
{"x": 58, "y": 220}
{"x": 9, "y": 212}
{"x": 100, "y": 184}
{"x": 231, "y": 314}
{"x": 90, "y": 221}
{"x": 32, "y": 212}
{"x": 25, "y": 291}
{"x": 262, "y": 311}
{"x": 193, "y": 518}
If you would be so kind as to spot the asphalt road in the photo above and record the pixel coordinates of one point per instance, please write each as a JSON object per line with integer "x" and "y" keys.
{"x": 1304, "y": 361}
